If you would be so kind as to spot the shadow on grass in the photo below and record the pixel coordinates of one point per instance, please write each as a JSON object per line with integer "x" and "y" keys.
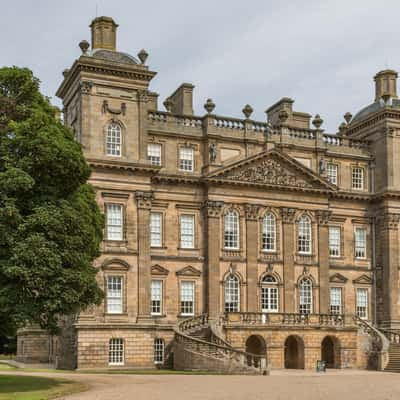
{"x": 12, "y": 384}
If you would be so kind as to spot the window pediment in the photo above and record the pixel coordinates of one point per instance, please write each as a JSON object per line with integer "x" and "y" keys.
{"x": 363, "y": 280}
{"x": 338, "y": 278}
{"x": 188, "y": 271}
{"x": 159, "y": 270}
{"x": 115, "y": 264}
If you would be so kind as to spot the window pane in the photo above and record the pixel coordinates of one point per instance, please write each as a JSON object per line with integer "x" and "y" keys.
{"x": 231, "y": 230}
{"x": 154, "y": 153}
{"x": 187, "y": 298}
{"x": 331, "y": 173}
{"x": 116, "y": 352}
{"x": 114, "y": 294}
{"x": 156, "y": 296}
{"x": 269, "y": 299}
{"x": 113, "y": 142}
{"x": 336, "y": 300}
{"x": 159, "y": 351}
{"x": 357, "y": 178}
{"x": 187, "y": 231}
{"x": 306, "y": 296}
{"x": 232, "y": 294}
{"x": 114, "y": 222}
{"x": 360, "y": 243}
{"x": 334, "y": 241}
{"x": 186, "y": 158}
{"x": 362, "y": 303}
{"x": 269, "y": 233}
{"x": 304, "y": 235}
{"x": 156, "y": 229}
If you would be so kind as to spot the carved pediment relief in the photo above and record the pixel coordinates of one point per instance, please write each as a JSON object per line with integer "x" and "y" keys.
{"x": 159, "y": 270}
{"x": 363, "y": 280}
{"x": 272, "y": 168}
{"x": 188, "y": 271}
{"x": 338, "y": 278}
{"x": 115, "y": 264}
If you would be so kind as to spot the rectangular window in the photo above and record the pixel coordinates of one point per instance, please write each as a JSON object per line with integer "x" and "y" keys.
{"x": 116, "y": 352}
{"x": 332, "y": 173}
{"x": 269, "y": 299}
{"x": 156, "y": 297}
{"x": 187, "y": 231}
{"x": 155, "y": 229}
{"x": 186, "y": 158}
{"x": 336, "y": 300}
{"x": 187, "y": 298}
{"x": 334, "y": 241}
{"x": 114, "y": 294}
{"x": 114, "y": 222}
{"x": 360, "y": 243}
{"x": 159, "y": 351}
{"x": 154, "y": 153}
{"x": 357, "y": 178}
{"x": 362, "y": 303}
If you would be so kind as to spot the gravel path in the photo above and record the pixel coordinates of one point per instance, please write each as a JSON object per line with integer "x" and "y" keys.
{"x": 281, "y": 385}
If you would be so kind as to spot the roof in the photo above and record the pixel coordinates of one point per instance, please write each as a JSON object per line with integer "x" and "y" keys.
{"x": 115, "y": 56}
{"x": 375, "y": 107}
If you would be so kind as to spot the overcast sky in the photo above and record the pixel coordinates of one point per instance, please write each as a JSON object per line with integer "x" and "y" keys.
{"x": 322, "y": 53}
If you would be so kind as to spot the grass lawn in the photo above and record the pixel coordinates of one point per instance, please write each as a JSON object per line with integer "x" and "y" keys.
{"x": 19, "y": 387}
{"x": 6, "y": 367}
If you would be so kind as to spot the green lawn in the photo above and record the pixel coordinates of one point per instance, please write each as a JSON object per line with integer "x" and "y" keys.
{"x": 36, "y": 388}
{"x": 6, "y": 367}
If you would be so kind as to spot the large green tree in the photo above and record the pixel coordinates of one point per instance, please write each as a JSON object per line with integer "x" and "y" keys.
{"x": 50, "y": 225}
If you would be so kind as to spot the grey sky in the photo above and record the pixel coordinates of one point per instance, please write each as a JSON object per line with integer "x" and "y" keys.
{"x": 321, "y": 53}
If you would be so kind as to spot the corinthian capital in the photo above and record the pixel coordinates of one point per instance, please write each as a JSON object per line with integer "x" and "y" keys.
{"x": 144, "y": 199}
{"x": 323, "y": 216}
{"x": 390, "y": 220}
{"x": 287, "y": 214}
{"x": 251, "y": 211}
{"x": 214, "y": 208}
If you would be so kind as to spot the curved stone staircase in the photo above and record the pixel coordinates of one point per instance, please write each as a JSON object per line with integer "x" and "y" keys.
{"x": 198, "y": 347}
{"x": 393, "y": 364}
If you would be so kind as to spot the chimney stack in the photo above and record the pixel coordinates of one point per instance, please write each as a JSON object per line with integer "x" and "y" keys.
{"x": 386, "y": 84}
{"x": 104, "y": 33}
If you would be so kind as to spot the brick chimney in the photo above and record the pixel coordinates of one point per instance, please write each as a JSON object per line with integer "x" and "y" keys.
{"x": 104, "y": 33}
{"x": 385, "y": 84}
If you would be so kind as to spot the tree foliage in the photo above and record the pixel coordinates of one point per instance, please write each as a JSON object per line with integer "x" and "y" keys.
{"x": 50, "y": 225}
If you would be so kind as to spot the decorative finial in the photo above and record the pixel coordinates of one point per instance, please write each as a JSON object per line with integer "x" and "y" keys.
{"x": 247, "y": 110}
{"x": 317, "y": 121}
{"x": 283, "y": 116}
{"x": 348, "y": 117}
{"x": 168, "y": 104}
{"x": 65, "y": 72}
{"x": 342, "y": 127}
{"x": 84, "y": 46}
{"x": 143, "y": 54}
{"x": 209, "y": 106}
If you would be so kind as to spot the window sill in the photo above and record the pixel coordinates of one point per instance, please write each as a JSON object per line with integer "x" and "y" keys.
{"x": 272, "y": 252}
{"x": 115, "y": 242}
{"x": 122, "y": 314}
{"x": 157, "y": 316}
{"x": 188, "y": 248}
{"x": 185, "y": 315}
{"x": 158, "y": 247}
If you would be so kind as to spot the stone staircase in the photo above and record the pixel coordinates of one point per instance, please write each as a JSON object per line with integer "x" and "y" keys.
{"x": 198, "y": 347}
{"x": 394, "y": 350}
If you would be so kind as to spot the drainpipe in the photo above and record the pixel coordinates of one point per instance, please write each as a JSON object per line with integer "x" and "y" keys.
{"x": 373, "y": 256}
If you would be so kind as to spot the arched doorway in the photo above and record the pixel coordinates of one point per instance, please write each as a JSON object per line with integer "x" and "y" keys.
{"x": 255, "y": 344}
{"x": 294, "y": 352}
{"x": 330, "y": 352}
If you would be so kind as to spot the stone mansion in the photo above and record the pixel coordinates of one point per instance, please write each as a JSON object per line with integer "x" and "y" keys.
{"x": 231, "y": 244}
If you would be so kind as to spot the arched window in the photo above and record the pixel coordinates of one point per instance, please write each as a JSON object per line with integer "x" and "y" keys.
{"x": 232, "y": 294}
{"x": 231, "y": 230}
{"x": 114, "y": 140}
{"x": 269, "y": 233}
{"x": 306, "y": 296}
{"x": 269, "y": 294}
{"x": 304, "y": 235}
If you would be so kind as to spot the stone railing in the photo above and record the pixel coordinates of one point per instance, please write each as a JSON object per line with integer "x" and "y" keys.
{"x": 217, "y": 347}
{"x": 228, "y": 123}
{"x": 192, "y": 121}
{"x": 297, "y": 133}
{"x": 333, "y": 140}
{"x": 380, "y": 343}
{"x": 157, "y": 116}
{"x": 287, "y": 319}
{"x": 392, "y": 336}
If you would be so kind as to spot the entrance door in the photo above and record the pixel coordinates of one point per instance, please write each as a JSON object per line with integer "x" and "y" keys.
{"x": 328, "y": 352}
{"x": 294, "y": 353}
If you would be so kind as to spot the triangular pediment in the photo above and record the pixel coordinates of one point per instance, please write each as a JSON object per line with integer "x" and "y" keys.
{"x": 338, "y": 278}
{"x": 363, "y": 279}
{"x": 159, "y": 270}
{"x": 271, "y": 168}
{"x": 188, "y": 271}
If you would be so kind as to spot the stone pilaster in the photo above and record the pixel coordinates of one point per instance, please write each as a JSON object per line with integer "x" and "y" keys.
{"x": 252, "y": 242}
{"x": 213, "y": 211}
{"x": 142, "y": 99}
{"x": 389, "y": 238}
{"x": 323, "y": 260}
{"x": 143, "y": 201}
{"x": 289, "y": 250}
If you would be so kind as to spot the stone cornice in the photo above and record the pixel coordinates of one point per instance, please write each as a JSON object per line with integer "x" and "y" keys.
{"x": 123, "y": 165}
